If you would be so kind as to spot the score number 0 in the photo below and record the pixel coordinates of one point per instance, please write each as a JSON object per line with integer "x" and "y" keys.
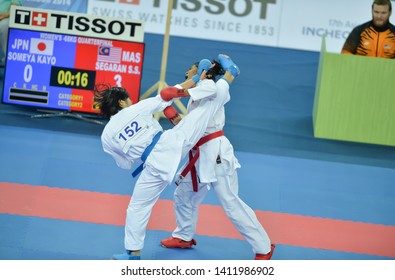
{"x": 28, "y": 73}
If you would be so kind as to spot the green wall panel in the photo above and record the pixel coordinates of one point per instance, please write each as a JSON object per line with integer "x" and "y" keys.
{"x": 355, "y": 99}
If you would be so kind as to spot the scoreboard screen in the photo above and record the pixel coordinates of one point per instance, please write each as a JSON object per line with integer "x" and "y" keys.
{"x": 58, "y": 70}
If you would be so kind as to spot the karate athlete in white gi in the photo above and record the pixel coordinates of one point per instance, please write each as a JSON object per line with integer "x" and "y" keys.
{"x": 215, "y": 168}
{"x": 133, "y": 134}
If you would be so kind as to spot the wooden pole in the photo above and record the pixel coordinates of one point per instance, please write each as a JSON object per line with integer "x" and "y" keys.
{"x": 162, "y": 83}
{"x": 165, "y": 46}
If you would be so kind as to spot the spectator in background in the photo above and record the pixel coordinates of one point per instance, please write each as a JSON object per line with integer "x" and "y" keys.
{"x": 4, "y": 22}
{"x": 375, "y": 37}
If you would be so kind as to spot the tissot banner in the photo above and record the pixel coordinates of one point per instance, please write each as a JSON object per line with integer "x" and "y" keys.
{"x": 296, "y": 24}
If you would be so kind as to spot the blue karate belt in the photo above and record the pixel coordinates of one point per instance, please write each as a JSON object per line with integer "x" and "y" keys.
{"x": 146, "y": 153}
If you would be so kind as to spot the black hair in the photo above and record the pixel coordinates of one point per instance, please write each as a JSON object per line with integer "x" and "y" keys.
{"x": 108, "y": 97}
{"x": 216, "y": 71}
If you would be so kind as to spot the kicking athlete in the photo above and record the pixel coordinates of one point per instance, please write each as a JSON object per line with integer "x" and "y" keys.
{"x": 216, "y": 168}
{"x": 132, "y": 134}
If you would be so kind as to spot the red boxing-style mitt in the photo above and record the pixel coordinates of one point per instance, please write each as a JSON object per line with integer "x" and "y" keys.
{"x": 171, "y": 114}
{"x": 168, "y": 93}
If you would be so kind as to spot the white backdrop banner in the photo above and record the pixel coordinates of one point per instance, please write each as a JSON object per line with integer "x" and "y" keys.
{"x": 61, "y": 5}
{"x": 295, "y": 24}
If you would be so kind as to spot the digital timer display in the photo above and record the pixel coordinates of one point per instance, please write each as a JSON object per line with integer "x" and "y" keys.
{"x": 59, "y": 71}
{"x": 72, "y": 78}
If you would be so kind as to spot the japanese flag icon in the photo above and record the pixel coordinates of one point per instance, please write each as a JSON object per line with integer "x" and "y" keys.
{"x": 41, "y": 46}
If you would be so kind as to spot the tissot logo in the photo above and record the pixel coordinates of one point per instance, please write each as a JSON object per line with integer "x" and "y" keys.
{"x": 80, "y": 23}
{"x": 77, "y": 24}
{"x": 39, "y": 19}
{"x": 236, "y": 8}
{"x": 31, "y": 18}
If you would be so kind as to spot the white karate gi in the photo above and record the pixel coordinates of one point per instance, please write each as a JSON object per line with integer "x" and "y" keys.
{"x": 222, "y": 177}
{"x": 131, "y": 130}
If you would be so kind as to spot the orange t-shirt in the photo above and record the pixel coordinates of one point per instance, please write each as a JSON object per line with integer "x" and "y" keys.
{"x": 368, "y": 40}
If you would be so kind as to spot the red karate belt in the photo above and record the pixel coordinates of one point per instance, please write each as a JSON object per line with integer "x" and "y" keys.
{"x": 194, "y": 157}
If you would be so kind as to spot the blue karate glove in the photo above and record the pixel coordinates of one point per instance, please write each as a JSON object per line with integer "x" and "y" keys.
{"x": 204, "y": 65}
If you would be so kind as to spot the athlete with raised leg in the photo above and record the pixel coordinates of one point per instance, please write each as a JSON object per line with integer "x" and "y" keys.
{"x": 216, "y": 167}
{"x": 133, "y": 134}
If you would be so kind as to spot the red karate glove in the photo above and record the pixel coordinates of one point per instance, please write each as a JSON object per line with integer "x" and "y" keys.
{"x": 172, "y": 115}
{"x": 168, "y": 93}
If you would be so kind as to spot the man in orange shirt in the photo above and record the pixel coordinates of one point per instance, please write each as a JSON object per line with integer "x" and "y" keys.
{"x": 376, "y": 37}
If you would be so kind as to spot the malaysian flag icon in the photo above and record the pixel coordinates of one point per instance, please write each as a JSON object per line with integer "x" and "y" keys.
{"x": 108, "y": 54}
